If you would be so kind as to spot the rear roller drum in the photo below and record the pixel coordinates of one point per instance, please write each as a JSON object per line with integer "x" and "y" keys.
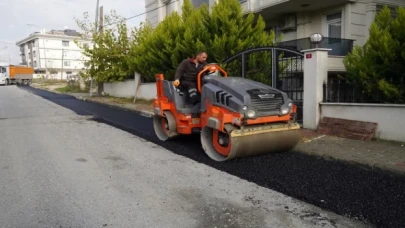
{"x": 165, "y": 126}
{"x": 216, "y": 144}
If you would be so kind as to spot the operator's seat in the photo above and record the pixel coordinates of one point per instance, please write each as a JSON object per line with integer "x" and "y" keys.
{"x": 178, "y": 96}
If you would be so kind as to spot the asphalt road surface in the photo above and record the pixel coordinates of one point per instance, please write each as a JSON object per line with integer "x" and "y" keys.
{"x": 60, "y": 169}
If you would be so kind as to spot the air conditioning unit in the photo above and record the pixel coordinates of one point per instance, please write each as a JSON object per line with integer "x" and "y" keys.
{"x": 166, "y": 2}
{"x": 287, "y": 22}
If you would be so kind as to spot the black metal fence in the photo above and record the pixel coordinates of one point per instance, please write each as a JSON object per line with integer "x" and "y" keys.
{"x": 340, "y": 47}
{"x": 343, "y": 91}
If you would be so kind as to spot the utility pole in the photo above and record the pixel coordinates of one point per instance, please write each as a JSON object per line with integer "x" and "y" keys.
{"x": 61, "y": 72}
{"x": 95, "y": 32}
{"x": 100, "y": 30}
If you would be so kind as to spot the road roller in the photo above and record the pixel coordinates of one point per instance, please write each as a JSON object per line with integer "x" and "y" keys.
{"x": 235, "y": 117}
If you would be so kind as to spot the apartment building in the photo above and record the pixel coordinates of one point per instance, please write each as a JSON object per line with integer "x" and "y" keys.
{"x": 54, "y": 51}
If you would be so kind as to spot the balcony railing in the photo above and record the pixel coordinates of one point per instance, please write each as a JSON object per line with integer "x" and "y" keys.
{"x": 340, "y": 47}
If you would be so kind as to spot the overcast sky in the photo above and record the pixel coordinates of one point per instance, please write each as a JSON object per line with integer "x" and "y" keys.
{"x": 53, "y": 14}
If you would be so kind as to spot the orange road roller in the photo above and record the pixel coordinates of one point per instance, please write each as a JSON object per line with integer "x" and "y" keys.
{"x": 235, "y": 117}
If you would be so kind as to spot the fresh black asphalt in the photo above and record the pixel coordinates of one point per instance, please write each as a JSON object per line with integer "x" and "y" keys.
{"x": 370, "y": 196}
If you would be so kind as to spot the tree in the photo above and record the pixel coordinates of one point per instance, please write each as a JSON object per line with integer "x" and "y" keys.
{"x": 107, "y": 59}
{"x": 379, "y": 65}
{"x": 222, "y": 33}
{"x": 160, "y": 50}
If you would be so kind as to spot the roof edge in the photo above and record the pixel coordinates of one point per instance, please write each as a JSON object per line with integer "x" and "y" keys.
{"x": 37, "y": 36}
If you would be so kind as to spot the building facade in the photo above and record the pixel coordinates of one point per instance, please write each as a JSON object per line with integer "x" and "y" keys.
{"x": 54, "y": 52}
{"x": 157, "y": 10}
{"x": 343, "y": 23}
{"x": 337, "y": 19}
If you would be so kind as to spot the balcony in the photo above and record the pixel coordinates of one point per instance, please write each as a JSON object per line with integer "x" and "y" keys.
{"x": 269, "y": 3}
{"x": 340, "y": 47}
{"x": 271, "y": 9}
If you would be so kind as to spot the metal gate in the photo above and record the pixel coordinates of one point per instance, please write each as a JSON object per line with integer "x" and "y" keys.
{"x": 281, "y": 68}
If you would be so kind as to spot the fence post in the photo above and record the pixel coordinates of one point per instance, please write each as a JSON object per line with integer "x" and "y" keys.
{"x": 137, "y": 82}
{"x": 338, "y": 91}
{"x": 315, "y": 75}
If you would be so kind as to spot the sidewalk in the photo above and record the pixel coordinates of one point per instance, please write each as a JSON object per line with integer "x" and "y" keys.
{"x": 378, "y": 155}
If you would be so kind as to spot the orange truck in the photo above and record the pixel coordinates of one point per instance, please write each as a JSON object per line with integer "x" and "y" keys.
{"x": 15, "y": 74}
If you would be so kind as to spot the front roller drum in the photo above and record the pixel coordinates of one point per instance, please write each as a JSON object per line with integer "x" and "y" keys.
{"x": 165, "y": 126}
{"x": 221, "y": 146}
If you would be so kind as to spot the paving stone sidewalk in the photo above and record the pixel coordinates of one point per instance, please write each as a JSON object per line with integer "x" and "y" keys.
{"x": 378, "y": 155}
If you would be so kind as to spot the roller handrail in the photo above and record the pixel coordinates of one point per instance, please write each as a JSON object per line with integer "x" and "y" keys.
{"x": 212, "y": 68}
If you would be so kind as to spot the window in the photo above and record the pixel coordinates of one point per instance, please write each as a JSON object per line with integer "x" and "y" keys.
{"x": 65, "y": 43}
{"x": 66, "y": 63}
{"x": 35, "y": 63}
{"x": 334, "y": 27}
{"x": 65, "y": 53}
{"x": 34, "y": 53}
{"x": 3, "y": 70}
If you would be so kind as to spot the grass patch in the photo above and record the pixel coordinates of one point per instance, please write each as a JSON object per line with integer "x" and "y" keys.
{"x": 49, "y": 81}
{"x": 71, "y": 89}
{"x": 143, "y": 101}
{"x": 124, "y": 100}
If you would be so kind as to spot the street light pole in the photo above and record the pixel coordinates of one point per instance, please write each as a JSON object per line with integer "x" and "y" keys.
{"x": 95, "y": 31}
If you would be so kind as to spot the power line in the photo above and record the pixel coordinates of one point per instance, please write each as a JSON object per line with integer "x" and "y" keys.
{"x": 125, "y": 19}
{"x": 3, "y": 42}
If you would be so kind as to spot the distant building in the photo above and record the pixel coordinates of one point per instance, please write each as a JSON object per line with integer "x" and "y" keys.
{"x": 54, "y": 51}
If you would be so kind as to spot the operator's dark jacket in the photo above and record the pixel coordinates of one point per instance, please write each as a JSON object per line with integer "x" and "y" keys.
{"x": 188, "y": 70}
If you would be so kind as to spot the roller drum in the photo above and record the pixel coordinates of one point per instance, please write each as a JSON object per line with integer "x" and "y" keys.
{"x": 253, "y": 141}
{"x": 165, "y": 126}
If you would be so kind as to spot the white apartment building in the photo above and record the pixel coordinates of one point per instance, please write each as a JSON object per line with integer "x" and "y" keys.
{"x": 55, "y": 52}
